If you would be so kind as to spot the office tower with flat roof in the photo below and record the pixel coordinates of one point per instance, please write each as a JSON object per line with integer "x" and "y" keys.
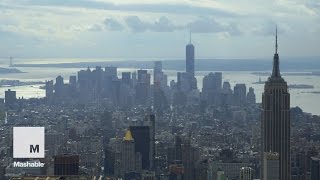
{"x": 315, "y": 168}
{"x": 150, "y": 120}
{"x": 59, "y": 87}
{"x": 141, "y": 135}
{"x": 126, "y": 78}
{"x": 72, "y": 88}
{"x": 159, "y": 78}
{"x": 49, "y": 89}
{"x": 111, "y": 72}
{"x": 276, "y": 119}
{"x": 186, "y": 82}
{"x": 211, "y": 89}
{"x": 10, "y": 98}
{"x": 271, "y": 166}
{"x": 157, "y": 73}
{"x": 240, "y": 94}
{"x": 209, "y": 82}
{"x": 143, "y": 87}
{"x": 143, "y": 76}
{"x": 190, "y": 155}
{"x": 73, "y": 80}
{"x": 109, "y": 161}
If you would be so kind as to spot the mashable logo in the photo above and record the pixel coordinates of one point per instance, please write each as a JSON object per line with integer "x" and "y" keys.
{"x": 28, "y": 142}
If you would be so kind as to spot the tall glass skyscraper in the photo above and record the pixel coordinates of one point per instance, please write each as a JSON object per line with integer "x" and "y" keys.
{"x": 276, "y": 119}
{"x": 190, "y": 58}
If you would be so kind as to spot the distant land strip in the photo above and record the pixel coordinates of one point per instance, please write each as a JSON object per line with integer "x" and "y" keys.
{"x": 311, "y": 65}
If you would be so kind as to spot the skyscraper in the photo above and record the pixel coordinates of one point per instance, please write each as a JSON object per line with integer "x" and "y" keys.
{"x": 109, "y": 161}
{"x": 240, "y": 94}
{"x": 211, "y": 89}
{"x": 111, "y": 72}
{"x": 126, "y": 78}
{"x": 143, "y": 87}
{"x": 128, "y": 158}
{"x": 251, "y": 97}
{"x": 157, "y": 73}
{"x": 141, "y": 136}
{"x": 10, "y": 98}
{"x": 73, "y": 80}
{"x": 49, "y": 89}
{"x": 66, "y": 165}
{"x": 315, "y": 168}
{"x": 58, "y": 89}
{"x": 276, "y": 118}
{"x": 190, "y": 58}
{"x": 151, "y": 120}
{"x": 190, "y": 156}
{"x": 212, "y": 81}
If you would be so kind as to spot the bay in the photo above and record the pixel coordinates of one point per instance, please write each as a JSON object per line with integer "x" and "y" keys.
{"x": 303, "y": 98}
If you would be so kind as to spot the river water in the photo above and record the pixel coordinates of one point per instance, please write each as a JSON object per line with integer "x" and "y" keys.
{"x": 304, "y": 98}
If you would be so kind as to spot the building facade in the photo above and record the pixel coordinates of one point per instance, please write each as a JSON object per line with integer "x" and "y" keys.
{"x": 246, "y": 173}
{"x": 276, "y": 119}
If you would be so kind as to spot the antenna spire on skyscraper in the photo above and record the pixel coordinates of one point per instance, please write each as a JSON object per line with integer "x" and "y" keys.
{"x": 276, "y": 39}
{"x": 276, "y": 69}
{"x": 190, "y": 37}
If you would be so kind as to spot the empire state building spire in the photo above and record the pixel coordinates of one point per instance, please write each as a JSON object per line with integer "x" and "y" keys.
{"x": 276, "y": 69}
{"x": 276, "y": 124}
{"x": 276, "y": 40}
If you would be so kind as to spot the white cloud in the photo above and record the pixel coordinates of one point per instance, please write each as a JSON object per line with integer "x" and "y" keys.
{"x": 113, "y": 25}
{"x": 80, "y": 24}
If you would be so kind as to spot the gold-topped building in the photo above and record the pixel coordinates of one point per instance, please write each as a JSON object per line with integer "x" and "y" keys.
{"x": 127, "y": 159}
{"x": 128, "y": 136}
{"x": 127, "y": 162}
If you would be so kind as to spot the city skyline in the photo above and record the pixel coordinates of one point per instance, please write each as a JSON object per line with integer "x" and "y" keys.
{"x": 84, "y": 29}
{"x": 160, "y": 89}
{"x": 109, "y": 126}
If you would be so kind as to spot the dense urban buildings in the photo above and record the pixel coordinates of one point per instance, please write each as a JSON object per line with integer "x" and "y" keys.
{"x": 104, "y": 123}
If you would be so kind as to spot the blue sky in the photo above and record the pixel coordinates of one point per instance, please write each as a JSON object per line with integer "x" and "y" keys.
{"x": 158, "y": 28}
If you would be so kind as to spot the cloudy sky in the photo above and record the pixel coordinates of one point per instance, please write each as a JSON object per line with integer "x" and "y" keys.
{"x": 158, "y": 28}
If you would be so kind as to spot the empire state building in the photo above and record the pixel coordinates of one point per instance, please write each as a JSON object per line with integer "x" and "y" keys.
{"x": 276, "y": 119}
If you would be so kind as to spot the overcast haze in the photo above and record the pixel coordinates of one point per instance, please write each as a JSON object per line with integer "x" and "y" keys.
{"x": 158, "y": 28}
